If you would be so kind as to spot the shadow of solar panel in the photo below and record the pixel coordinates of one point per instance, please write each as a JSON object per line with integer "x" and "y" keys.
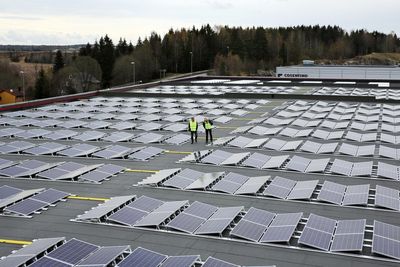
{"x": 180, "y": 261}
{"x": 213, "y": 262}
{"x": 50, "y": 196}
{"x": 73, "y": 251}
{"x": 104, "y": 256}
{"x": 7, "y": 191}
{"x": 26, "y": 207}
{"x": 46, "y": 261}
{"x": 143, "y": 257}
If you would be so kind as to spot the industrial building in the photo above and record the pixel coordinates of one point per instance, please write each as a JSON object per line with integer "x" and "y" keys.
{"x": 298, "y": 174}
{"x": 351, "y": 72}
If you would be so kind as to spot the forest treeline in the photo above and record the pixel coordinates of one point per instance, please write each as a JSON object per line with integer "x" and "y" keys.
{"x": 227, "y": 50}
{"x": 233, "y": 49}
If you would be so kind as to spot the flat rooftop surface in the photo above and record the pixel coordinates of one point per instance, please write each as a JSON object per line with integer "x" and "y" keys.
{"x": 337, "y": 144}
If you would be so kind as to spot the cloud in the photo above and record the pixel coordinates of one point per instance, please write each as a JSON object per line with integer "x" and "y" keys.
{"x": 220, "y": 4}
{"x": 14, "y": 17}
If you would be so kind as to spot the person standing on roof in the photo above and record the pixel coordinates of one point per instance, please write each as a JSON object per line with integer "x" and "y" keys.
{"x": 208, "y": 125}
{"x": 193, "y": 129}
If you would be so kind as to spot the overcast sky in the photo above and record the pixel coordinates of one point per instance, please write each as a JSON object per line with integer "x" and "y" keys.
{"x": 75, "y": 22}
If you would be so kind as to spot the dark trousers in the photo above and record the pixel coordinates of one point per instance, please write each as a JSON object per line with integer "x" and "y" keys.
{"x": 193, "y": 136}
{"x": 209, "y": 132}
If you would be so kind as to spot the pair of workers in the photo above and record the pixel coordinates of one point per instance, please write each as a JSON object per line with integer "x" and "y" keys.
{"x": 193, "y": 126}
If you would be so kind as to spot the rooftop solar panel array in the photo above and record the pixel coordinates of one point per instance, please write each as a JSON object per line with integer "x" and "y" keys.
{"x": 17, "y": 202}
{"x": 75, "y": 252}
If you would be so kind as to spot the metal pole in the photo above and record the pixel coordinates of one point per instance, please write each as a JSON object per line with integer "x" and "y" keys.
{"x": 133, "y": 72}
{"x": 23, "y": 85}
{"x": 191, "y": 62}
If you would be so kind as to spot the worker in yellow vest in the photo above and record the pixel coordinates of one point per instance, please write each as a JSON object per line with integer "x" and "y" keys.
{"x": 208, "y": 125}
{"x": 193, "y": 129}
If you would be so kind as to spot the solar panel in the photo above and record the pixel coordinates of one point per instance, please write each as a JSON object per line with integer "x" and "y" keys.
{"x": 186, "y": 223}
{"x": 279, "y": 187}
{"x": 150, "y": 126}
{"x": 180, "y": 261}
{"x": 386, "y": 240}
{"x": 260, "y": 130}
{"x": 15, "y": 147}
{"x": 113, "y": 152}
{"x": 349, "y": 235}
{"x": 388, "y": 171}
{"x": 318, "y": 232}
{"x": 26, "y": 207}
{"x": 253, "y": 224}
{"x": 213, "y": 262}
{"x": 146, "y": 153}
{"x": 5, "y": 163}
{"x": 230, "y": 183}
{"x": 25, "y": 168}
{"x": 282, "y": 227}
{"x": 127, "y": 216}
{"x": 356, "y": 195}
{"x": 46, "y": 261}
{"x": 149, "y": 138}
{"x": 103, "y": 256}
{"x": 79, "y": 150}
{"x": 332, "y": 192}
{"x": 46, "y": 148}
{"x": 60, "y": 134}
{"x": 73, "y": 251}
{"x": 50, "y": 196}
{"x": 89, "y": 136}
{"x": 7, "y": 191}
{"x": 387, "y": 198}
{"x": 252, "y": 185}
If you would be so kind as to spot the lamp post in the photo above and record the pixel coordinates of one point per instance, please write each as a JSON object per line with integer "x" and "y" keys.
{"x": 191, "y": 62}
{"x": 23, "y": 85}
{"x": 133, "y": 72}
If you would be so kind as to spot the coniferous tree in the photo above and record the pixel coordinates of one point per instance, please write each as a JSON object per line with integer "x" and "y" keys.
{"x": 58, "y": 62}
{"x": 42, "y": 85}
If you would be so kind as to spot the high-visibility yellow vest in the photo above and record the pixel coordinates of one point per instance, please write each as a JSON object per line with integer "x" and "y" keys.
{"x": 193, "y": 126}
{"x": 207, "y": 125}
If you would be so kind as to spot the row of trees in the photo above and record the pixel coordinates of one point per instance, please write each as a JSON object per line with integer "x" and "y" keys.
{"x": 229, "y": 50}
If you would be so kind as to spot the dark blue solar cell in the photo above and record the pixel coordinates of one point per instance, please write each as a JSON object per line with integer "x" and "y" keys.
{"x": 47, "y": 262}
{"x": 73, "y": 251}
{"x": 180, "y": 261}
{"x": 142, "y": 258}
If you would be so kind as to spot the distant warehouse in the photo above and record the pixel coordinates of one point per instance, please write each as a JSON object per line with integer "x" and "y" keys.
{"x": 310, "y": 70}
